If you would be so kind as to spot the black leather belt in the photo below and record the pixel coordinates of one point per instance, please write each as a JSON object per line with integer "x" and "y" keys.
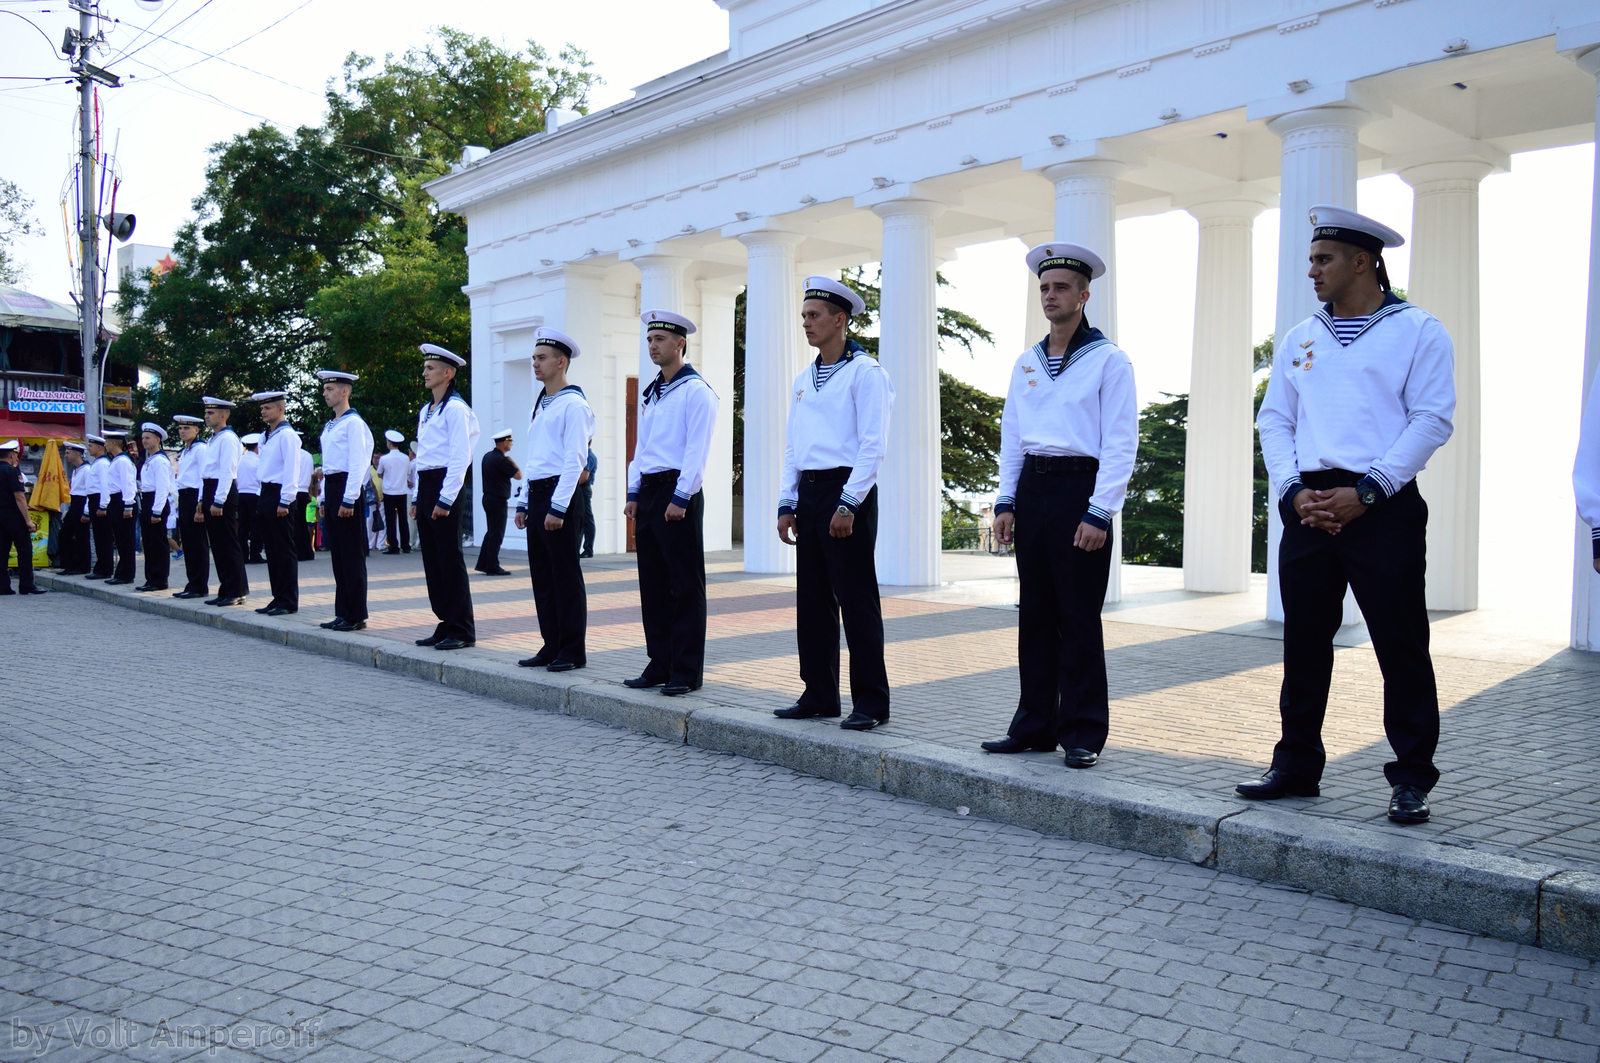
{"x": 1328, "y": 479}
{"x": 656, "y": 479}
{"x": 1059, "y": 464}
{"x": 826, "y": 476}
{"x": 548, "y": 481}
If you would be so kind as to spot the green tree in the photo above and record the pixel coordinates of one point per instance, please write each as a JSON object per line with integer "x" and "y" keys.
{"x": 1152, "y": 518}
{"x": 16, "y": 219}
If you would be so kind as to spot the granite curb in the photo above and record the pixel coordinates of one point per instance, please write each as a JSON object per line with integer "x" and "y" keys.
{"x": 1527, "y": 901}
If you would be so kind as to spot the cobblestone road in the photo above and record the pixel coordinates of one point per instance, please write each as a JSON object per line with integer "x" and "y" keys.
{"x": 210, "y": 837}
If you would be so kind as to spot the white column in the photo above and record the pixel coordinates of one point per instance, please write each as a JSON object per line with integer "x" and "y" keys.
{"x": 772, "y": 359}
{"x": 1219, "y": 455}
{"x": 1035, "y": 326}
{"x": 1086, "y": 213}
{"x": 1585, "y": 581}
{"x": 716, "y": 365}
{"x": 485, "y": 372}
{"x": 573, "y": 301}
{"x": 909, "y": 496}
{"x": 1444, "y": 282}
{"x": 660, "y": 288}
{"x": 1319, "y": 166}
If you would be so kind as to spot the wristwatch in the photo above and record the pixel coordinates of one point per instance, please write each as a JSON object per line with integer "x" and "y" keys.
{"x": 1367, "y": 495}
{"x": 843, "y": 511}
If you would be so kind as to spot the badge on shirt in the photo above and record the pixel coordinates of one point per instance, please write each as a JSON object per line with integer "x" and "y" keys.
{"x": 1033, "y": 383}
{"x": 799, "y": 394}
{"x": 1027, "y": 369}
{"x": 1307, "y": 343}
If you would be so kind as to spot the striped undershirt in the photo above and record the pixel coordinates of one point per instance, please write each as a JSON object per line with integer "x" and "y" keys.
{"x": 1055, "y": 364}
{"x": 1348, "y": 328}
{"x": 824, "y": 371}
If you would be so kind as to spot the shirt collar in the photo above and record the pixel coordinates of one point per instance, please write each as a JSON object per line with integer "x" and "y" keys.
{"x": 660, "y": 386}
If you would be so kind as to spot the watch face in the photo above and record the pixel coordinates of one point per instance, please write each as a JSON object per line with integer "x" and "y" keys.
{"x": 844, "y": 509}
{"x": 1368, "y": 497}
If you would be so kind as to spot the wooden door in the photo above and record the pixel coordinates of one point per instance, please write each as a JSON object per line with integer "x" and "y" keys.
{"x": 633, "y": 438}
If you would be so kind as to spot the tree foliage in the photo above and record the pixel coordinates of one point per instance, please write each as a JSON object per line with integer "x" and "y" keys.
{"x": 1152, "y": 518}
{"x": 16, "y": 219}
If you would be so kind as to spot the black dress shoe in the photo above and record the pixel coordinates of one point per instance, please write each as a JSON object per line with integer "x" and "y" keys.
{"x": 642, "y": 682}
{"x": 7, "y": 592}
{"x": 279, "y": 610}
{"x": 453, "y": 644}
{"x": 587, "y": 553}
{"x": 678, "y": 690}
{"x": 538, "y": 660}
{"x": 35, "y": 590}
{"x": 96, "y": 575}
{"x": 1409, "y": 804}
{"x": 431, "y": 640}
{"x": 498, "y": 572}
{"x": 225, "y": 602}
{"x": 265, "y": 609}
{"x": 1277, "y": 783}
{"x": 407, "y": 550}
{"x": 391, "y": 551}
{"x": 1014, "y": 745}
{"x": 563, "y": 666}
{"x": 346, "y": 625}
{"x": 1081, "y": 758}
{"x": 146, "y": 588}
{"x": 191, "y": 594}
{"x": 118, "y": 582}
{"x": 330, "y": 623}
{"x": 798, "y": 711}
{"x": 860, "y": 721}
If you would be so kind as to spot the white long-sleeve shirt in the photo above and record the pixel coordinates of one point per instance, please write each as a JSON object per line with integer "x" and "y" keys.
{"x": 280, "y": 461}
{"x": 99, "y": 483}
{"x": 1380, "y": 406}
{"x": 347, "y": 448}
{"x": 676, "y": 420}
{"x": 155, "y": 478}
{"x": 1586, "y": 469}
{"x": 223, "y": 451}
{"x": 395, "y": 469}
{"x": 559, "y": 429}
{"x": 836, "y": 421}
{"x": 249, "y": 474}
{"x": 1089, "y": 409}
{"x": 447, "y": 436}
{"x": 122, "y": 477}
{"x": 302, "y": 475}
{"x": 191, "y": 465}
{"x": 79, "y": 484}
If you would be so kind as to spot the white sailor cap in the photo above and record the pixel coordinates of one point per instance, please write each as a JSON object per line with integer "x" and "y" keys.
{"x": 115, "y": 433}
{"x": 394, "y": 437}
{"x": 667, "y": 321}
{"x": 338, "y": 375}
{"x": 549, "y": 337}
{"x": 268, "y": 396}
{"x": 155, "y": 430}
{"x": 187, "y": 418}
{"x": 1060, "y": 255}
{"x": 831, "y": 291}
{"x": 433, "y": 350}
{"x": 76, "y": 446}
{"x": 100, "y": 440}
{"x": 211, "y": 401}
{"x": 504, "y": 433}
{"x": 10, "y": 444}
{"x": 250, "y": 439}
{"x": 1335, "y": 223}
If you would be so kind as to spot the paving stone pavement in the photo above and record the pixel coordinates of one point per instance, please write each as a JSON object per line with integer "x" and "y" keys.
{"x": 290, "y": 857}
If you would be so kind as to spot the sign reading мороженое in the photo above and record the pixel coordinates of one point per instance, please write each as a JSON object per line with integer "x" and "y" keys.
{"x": 32, "y": 400}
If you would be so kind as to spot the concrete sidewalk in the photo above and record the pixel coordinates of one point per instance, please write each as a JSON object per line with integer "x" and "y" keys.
{"x": 1512, "y": 850}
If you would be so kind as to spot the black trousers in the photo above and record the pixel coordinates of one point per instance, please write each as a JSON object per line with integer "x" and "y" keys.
{"x": 282, "y": 563}
{"x": 300, "y": 528}
{"x": 559, "y": 596}
{"x": 223, "y": 534}
{"x": 100, "y": 529}
{"x": 192, "y": 536}
{"x": 1061, "y": 658}
{"x": 251, "y": 535}
{"x": 157, "y": 555}
{"x": 586, "y": 489}
{"x": 494, "y": 533}
{"x": 1382, "y": 557}
{"x": 73, "y": 551}
{"x": 14, "y": 532}
{"x": 347, "y": 549}
{"x": 394, "y": 517}
{"x": 839, "y": 578}
{"x": 122, "y": 516}
{"x": 442, "y": 563}
{"x": 672, "y": 582}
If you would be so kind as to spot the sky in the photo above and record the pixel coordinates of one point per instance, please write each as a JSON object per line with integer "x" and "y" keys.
{"x": 277, "y": 55}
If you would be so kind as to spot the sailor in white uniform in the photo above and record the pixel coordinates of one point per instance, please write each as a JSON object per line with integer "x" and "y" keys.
{"x": 279, "y": 466}
{"x": 828, "y": 508}
{"x": 447, "y": 436}
{"x": 560, "y": 426}
{"x": 677, "y": 414}
{"x": 299, "y": 529}
{"x": 1361, "y": 395}
{"x": 252, "y": 536}
{"x": 99, "y": 497}
{"x": 192, "y": 536}
{"x": 155, "y": 505}
{"x": 1068, "y": 437}
{"x": 346, "y": 462}
{"x": 74, "y": 549}
{"x": 122, "y": 480}
{"x": 218, "y": 509}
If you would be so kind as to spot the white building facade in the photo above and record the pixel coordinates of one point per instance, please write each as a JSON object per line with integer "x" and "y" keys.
{"x": 839, "y": 132}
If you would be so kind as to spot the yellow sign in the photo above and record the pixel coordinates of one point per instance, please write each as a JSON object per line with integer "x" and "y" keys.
{"x": 119, "y": 398}
{"x": 40, "y": 541}
{"x": 51, "y": 490}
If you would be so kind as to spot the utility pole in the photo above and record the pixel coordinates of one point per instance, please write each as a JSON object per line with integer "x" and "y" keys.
{"x": 88, "y": 224}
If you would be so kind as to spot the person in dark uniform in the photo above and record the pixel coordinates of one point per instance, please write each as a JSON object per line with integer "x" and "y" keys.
{"x": 122, "y": 511}
{"x": 1361, "y": 395}
{"x": 218, "y": 508}
{"x": 99, "y": 485}
{"x": 560, "y": 426}
{"x": 828, "y": 507}
{"x": 447, "y": 434}
{"x": 586, "y": 492}
{"x": 346, "y": 465}
{"x": 280, "y": 462}
{"x": 677, "y": 414}
{"x": 155, "y": 496}
{"x": 74, "y": 548}
{"x": 192, "y": 535}
{"x": 16, "y": 523}
{"x": 1068, "y": 436}
{"x": 498, "y": 472}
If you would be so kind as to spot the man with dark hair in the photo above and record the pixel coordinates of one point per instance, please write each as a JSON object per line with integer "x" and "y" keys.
{"x": 447, "y": 434}
{"x": 1361, "y": 395}
{"x": 73, "y": 551}
{"x": 346, "y": 458}
{"x": 99, "y": 497}
{"x": 155, "y": 496}
{"x": 499, "y": 469}
{"x": 218, "y": 507}
{"x": 191, "y": 473}
{"x": 16, "y": 523}
{"x": 395, "y": 472}
{"x": 252, "y": 534}
{"x": 280, "y": 460}
{"x": 122, "y": 478}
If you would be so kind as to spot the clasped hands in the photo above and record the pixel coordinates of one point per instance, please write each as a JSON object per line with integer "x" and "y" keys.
{"x": 1329, "y": 510}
